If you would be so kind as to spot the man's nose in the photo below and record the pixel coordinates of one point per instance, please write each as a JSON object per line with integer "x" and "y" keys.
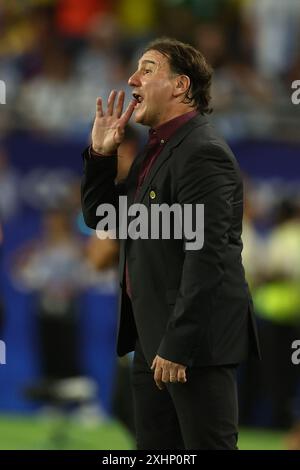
{"x": 133, "y": 80}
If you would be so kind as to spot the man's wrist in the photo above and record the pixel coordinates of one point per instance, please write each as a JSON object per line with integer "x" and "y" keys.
{"x": 95, "y": 153}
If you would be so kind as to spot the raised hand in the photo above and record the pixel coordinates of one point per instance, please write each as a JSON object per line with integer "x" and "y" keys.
{"x": 109, "y": 127}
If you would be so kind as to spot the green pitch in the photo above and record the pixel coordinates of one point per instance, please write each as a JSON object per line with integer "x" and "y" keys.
{"x": 18, "y": 433}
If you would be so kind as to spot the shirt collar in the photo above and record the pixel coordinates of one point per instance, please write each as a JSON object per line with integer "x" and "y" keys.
{"x": 165, "y": 131}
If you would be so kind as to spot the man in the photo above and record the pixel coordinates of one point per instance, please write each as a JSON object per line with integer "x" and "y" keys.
{"x": 187, "y": 314}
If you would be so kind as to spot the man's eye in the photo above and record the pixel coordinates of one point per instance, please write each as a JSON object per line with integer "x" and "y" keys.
{"x": 147, "y": 71}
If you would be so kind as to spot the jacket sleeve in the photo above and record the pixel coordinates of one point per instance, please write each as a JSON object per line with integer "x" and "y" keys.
{"x": 98, "y": 185}
{"x": 209, "y": 177}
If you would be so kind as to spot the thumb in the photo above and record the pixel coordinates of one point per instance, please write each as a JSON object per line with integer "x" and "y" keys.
{"x": 153, "y": 363}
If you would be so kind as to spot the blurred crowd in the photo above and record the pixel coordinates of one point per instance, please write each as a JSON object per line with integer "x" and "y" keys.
{"x": 56, "y": 57}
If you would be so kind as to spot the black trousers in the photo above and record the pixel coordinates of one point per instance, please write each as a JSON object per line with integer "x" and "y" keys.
{"x": 200, "y": 414}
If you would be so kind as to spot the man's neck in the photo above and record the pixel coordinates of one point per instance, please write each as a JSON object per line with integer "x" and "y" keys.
{"x": 175, "y": 114}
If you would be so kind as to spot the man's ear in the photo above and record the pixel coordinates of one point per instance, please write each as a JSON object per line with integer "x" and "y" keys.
{"x": 182, "y": 84}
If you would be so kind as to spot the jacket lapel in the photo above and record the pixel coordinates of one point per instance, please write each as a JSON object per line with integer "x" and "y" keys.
{"x": 132, "y": 178}
{"x": 166, "y": 153}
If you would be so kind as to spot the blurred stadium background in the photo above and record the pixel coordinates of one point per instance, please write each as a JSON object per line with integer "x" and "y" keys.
{"x": 62, "y": 386}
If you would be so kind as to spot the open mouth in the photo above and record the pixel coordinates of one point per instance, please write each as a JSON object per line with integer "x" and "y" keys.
{"x": 138, "y": 98}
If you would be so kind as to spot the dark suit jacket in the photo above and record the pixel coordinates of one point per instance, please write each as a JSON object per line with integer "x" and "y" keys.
{"x": 191, "y": 307}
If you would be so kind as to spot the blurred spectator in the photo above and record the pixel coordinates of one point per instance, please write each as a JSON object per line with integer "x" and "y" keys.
{"x": 277, "y": 302}
{"x": 275, "y": 28}
{"x": 45, "y": 102}
{"x": 283, "y": 246}
{"x": 98, "y": 59}
{"x": 241, "y": 99}
{"x": 253, "y": 242}
{"x": 61, "y": 98}
{"x": 99, "y": 67}
{"x": 53, "y": 268}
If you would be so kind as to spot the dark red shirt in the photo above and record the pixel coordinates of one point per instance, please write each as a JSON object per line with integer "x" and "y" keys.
{"x": 157, "y": 139}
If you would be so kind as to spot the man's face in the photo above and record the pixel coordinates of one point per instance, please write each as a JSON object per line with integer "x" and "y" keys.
{"x": 153, "y": 86}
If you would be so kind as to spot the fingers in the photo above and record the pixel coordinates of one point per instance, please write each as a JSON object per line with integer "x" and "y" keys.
{"x": 128, "y": 113}
{"x": 181, "y": 377}
{"x": 167, "y": 373}
{"x": 116, "y": 111}
{"x": 157, "y": 374}
{"x": 99, "y": 109}
{"x": 111, "y": 102}
{"x": 158, "y": 378}
{"x": 120, "y": 104}
{"x": 153, "y": 363}
{"x": 173, "y": 376}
